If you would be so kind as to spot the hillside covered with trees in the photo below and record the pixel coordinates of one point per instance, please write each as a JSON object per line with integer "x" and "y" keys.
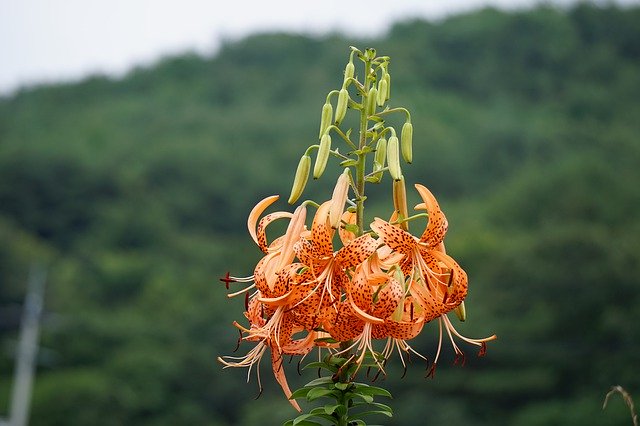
{"x": 134, "y": 194}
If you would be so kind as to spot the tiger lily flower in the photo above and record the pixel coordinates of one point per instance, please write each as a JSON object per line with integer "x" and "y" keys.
{"x": 328, "y": 268}
{"x": 436, "y": 281}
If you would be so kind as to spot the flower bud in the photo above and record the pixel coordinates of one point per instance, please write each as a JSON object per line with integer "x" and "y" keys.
{"x": 406, "y": 142}
{"x": 371, "y": 101}
{"x": 325, "y": 120}
{"x": 300, "y": 179}
{"x": 323, "y": 156}
{"x": 461, "y": 312}
{"x": 393, "y": 158}
{"x": 387, "y": 78}
{"x": 381, "y": 151}
{"x": 349, "y": 71}
{"x": 382, "y": 92}
{"x": 400, "y": 201}
{"x": 338, "y": 199}
{"x": 341, "y": 107}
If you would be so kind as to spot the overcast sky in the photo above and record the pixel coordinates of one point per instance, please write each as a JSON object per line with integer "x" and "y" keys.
{"x": 64, "y": 40}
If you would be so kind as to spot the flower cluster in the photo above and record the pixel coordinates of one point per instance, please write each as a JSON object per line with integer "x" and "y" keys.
{"x": 384, "y": 284}
{"x": 335, "y": 283}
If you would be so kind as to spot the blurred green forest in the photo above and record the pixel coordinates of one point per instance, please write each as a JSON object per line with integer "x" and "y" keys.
{"x": 134, "y": 193}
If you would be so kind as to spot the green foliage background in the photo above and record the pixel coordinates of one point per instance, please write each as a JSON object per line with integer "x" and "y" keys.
{"x": 135, "y": 192}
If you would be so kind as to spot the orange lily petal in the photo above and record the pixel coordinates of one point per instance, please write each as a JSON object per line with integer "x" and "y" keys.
{"x": 357, "y": 251}
{"x": 321, "y": 232}
{"x": 437, "y": 225}
{"x": 295, "y": 228}
{"x": 347, "y": 236}
{"x": 278, "y": 371}
{"x": 394, "y": 237}
{"x": 255, "y": 214}
{"x": 261, "y": 233}
{"x": 388, "y": 298}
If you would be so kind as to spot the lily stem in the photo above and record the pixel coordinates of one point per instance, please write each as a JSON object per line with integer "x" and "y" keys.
{"x": 360, "y": 166}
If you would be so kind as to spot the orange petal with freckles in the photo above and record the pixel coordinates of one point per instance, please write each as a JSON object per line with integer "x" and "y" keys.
{"x": 262, "y": 228}
{"x": 362, "y": 314}
{"x": 255, "y": 214}
{"x": 432, "y": 306}
{"x": 403, "y": 330}
{"x": 357, "y": 251}
{"x": 394, "y": 237}
{"x": 388, "y": 298}
{"x": 263, "y": 274}
{"x": 345, "y": 326}
{"x": 359, "y": 289}
{"x": 437, "y": 226}
{"x": 458, "y": 283}
{"x": 321, "y": 232}
{"x": 347, "y": 236}
{"x": 292, "y": 235}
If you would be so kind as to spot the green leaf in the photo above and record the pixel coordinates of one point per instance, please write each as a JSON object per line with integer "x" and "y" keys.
{"x": 348, "y": 163}
{"x": 339, "y": 409}
{"x": 300, "y": 393}
{"x": 366, "y": 398}
{"x": 363, "y": 389}
{"x": 318, "y": 364}
{"x": 319, "y": 393}
{"x": 342, "y": 386}
{"x": 302, "y": 421}
{"x": 369, "y": 413}
{"x": 383, "y": 407}
{"x": 319, "y": 381}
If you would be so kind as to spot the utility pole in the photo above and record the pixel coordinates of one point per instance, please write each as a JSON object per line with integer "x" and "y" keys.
{"x": 27, "y": 349}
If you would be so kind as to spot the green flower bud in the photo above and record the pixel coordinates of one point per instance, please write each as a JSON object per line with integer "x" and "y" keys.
{"x": 387, "y": 78}
{"x": 381, "y": 152}
{"x": 349, "y": 71}
{"x": 382, "y": 92}
{"x": 371, "y": 101}
{"x": 376, "y": 177}
{"x": 341, "y": 107}
{"x": 393, "y": 158}
{"x": 325, "y": 120}
{"x": 300, "y": 179}
{"x": 323, "y": 156}
{"x": 406, "y": 142}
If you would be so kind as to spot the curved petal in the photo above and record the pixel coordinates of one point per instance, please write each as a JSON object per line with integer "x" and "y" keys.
{"x": 397, "y": 239}
{"x": 458, "y": 282}
{"x": 278, "y": 372}
{"x": 357, "y": 251}
{"x": 362, "y": 314}
{"x": 321, "y": 232}
{"x": 346, "y": 325}
{"x": 255, "y": 214}
{"x": 389, "y": 296}
{"x": 347, "y": 236}
{"x": 437, "y": 226}
{"x": 432, "y": 307}
{"x": 359, "y": 290}
{"x": 292, "y": 235}
{"x": 403, "y": 330}
{"x": 261, "y": 233}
